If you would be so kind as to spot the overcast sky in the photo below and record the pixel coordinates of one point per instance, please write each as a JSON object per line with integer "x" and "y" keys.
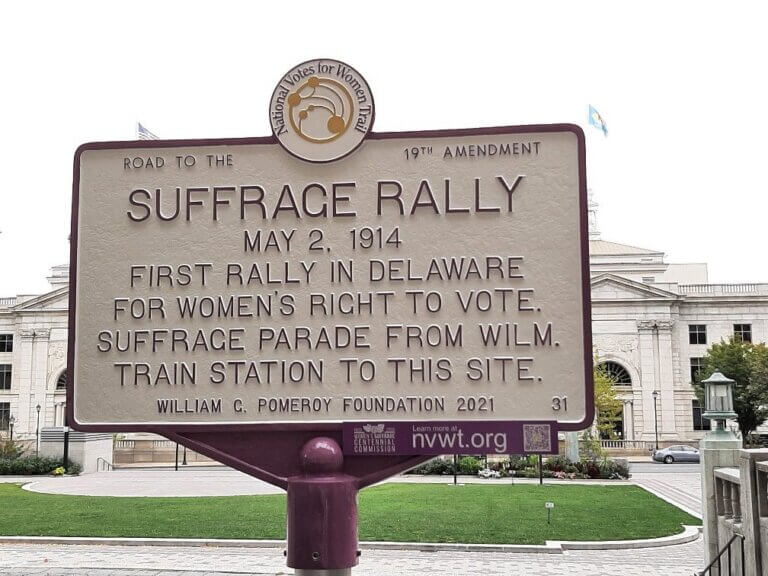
{"x": 681, "y": 86}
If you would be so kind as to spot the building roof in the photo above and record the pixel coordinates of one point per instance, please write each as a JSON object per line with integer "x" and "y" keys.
{"x": 605, "y": 248}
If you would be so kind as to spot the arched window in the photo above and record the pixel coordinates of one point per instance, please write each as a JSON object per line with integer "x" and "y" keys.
{"x": 617, "y": 373}
{"x": 61, "y": 383}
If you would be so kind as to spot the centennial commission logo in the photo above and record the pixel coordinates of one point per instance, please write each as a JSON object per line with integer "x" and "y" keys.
{"x": 374, "y": 439}
{"x": 321, "y": 110}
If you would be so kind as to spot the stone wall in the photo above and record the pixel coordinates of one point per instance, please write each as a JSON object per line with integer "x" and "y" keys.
{"x": 92, "y": 451}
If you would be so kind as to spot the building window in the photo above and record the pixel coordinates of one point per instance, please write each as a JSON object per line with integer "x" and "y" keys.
{"x": 61, "y": 383}
{"x": 698, "y": 421}
{"x": 5, "y": 376}
{"x": 5, "y": 416}
{"x": 617, "y": 373}
{"x": 6, "y": 342}
{"x": 697, "y": 333}
{"x": 742, "y": 332}
{"x": 696, "y": 365}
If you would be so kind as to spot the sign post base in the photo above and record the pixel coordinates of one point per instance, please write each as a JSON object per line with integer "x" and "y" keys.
{"x": 322, "y": 511}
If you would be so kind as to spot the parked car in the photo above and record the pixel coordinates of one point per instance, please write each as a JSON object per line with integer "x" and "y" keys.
{"x": 679, "y": 453}
{"x": 488, "y": 473}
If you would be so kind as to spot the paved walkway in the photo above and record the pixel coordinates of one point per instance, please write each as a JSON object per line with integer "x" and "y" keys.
{"x": 218, "y": 481}
{"x": 211, "y": 481}
{"x": 681, "y": 489}
{"x": 40, "y": 560}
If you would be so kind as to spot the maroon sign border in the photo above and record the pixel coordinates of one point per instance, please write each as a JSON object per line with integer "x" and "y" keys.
{"x": 176, "y": 428}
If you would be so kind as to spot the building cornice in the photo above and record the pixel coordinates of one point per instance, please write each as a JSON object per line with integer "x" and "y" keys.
{"x": 36, "y": 334}
{"x": 652, "y": 325}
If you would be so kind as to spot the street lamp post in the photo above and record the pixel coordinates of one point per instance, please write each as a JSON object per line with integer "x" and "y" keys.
{"x": 66, "y": 443}
{"x": 718, "y": 400}
{"x": 718, "y": 449}
{"x": 656, "y": 417}
{"x": 37, "y": 432}
{"x": 11, "y": 422}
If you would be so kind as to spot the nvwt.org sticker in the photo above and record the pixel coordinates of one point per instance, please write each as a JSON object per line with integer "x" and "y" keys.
{"x": 449, "y": 437}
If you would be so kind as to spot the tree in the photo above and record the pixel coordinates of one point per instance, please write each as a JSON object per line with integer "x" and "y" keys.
{"x": 747, "y": 365}
{"x": 607, "y": 410}
{"x": 608, "y": 407}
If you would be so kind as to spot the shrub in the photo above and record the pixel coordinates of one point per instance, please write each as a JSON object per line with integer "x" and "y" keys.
{"x": 560, "y": 464}
{"x": 590, "y": 446}
{"x": 73, "y": 468}
{"x": 435, "y": 466}
{"x": 534, "y": 473}
{"x": 10, "y": 450}
{"x": 564, "y": 475}
{"x": 33, "y": 465}
{"x": 614, "y": 469}
{"x": 592, "y": 469}
{"x": 470, "y": 465}
{"x": 517, "y": 462}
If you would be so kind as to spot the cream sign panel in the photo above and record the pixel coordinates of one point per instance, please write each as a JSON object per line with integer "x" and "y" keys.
{"x": 435, "y": 276}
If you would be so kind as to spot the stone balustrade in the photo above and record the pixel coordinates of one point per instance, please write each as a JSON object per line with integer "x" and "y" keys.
{"x": 151, "y": 452}
{"x": 722, "y": 289}
{"x": 740, "y": 507}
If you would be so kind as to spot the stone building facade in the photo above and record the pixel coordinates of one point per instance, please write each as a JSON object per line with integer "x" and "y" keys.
{"x": 652, "y": 323}
{"x": 33, "y": 359}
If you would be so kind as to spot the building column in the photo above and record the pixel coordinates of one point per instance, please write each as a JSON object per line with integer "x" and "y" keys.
{"x": 657, "y": 374}
{"x": 667, "y": 421}
{"x": 58, "y": 414}
{"x": 22, "y": 376}
{"x": 32, "y": 378}
{"x": 628, "y": 415}
{"x": 648, "y": 380}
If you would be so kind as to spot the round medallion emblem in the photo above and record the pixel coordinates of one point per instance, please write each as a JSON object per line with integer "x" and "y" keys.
{"x": 321, "y": 110}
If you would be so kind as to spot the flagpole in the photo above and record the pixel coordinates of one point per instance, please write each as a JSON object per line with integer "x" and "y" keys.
{"x": 597, "y": 159}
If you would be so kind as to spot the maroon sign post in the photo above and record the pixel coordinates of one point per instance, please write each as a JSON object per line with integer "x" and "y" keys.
{"x": 322, "y": 484}
{"x": 326, "y": 318}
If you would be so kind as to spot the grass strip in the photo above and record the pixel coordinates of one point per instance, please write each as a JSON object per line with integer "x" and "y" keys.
{"x": 477, "y": 514}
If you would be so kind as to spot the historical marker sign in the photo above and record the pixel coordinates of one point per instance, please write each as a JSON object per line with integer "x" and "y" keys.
{"x": 428, "y": 284}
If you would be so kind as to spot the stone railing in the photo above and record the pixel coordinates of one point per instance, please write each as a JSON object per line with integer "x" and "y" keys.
{"x": 723, "y": 289}
{"x": 7, "y": 302}
{"x": 626, "y": 447}
{"x": 728, "y": 494}
{"x": 740, "y": 498}
{"x": 729, "y": 517}
{"x": 761, "y": 528}
{"x": 153, "y": 452}
{"x": 637, "y": 447}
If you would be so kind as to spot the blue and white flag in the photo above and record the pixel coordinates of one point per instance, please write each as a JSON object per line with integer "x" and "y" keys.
{"x": 597, "y": 121}
{"x": 143, "y": 133}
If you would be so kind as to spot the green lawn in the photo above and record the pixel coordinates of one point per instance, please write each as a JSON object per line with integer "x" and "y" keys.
{"x": 508, "y": 514}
